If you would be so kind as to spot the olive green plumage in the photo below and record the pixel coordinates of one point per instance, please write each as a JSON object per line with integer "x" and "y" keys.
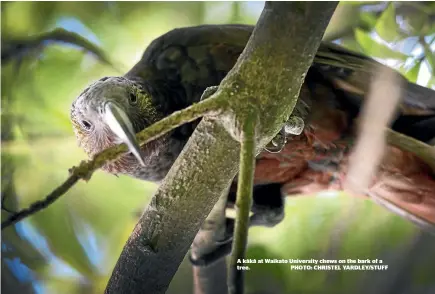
{"x": 175, "y": 70}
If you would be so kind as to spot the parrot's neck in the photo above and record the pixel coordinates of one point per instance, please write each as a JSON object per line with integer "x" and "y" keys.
{"x": 159, "y": 155}
{"x": 159, "y": 163}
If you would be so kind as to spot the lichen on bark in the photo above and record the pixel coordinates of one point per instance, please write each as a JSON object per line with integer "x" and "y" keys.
{"x": 267, "y": 76}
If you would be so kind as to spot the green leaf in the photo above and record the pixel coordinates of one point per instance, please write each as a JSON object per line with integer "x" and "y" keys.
{"x": 343, "y": 21}
{"x": 59, "y": 227}
{"x": 386, "y": 26}
{"x": 375, "y": 49}
{"x": 360, "y": 3}
{"x": 415, "y": 22}
{"x": 428, "y": 28}
{"x": 351, "y": 44}
{"x": 368, "y": 20}
{"x": 430, "y": 58}
{"x": 412, "y": 73}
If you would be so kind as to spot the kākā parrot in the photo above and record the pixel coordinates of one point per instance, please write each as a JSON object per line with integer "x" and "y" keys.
{"x": 177, "y": 67}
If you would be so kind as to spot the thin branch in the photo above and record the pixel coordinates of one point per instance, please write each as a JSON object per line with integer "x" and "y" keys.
{"x": 87, "y": 168}
{"x": 40, "y": 205}
{"x": 428, "y": 53}
{"x": 268, "y": 75}
{"x": 3, "y": 204}
{"x": 422, "y": 150}
{"x": 243, "y": 204}
{"x": 12, "y": 49}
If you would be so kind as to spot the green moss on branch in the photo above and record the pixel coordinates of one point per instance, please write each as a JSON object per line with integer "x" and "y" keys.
{"x": 243, "y": 202}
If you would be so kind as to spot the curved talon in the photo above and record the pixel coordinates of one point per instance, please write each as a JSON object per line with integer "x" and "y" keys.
{"x": 267, "y": 217}
{"x": 209, "y": 91}
{"x": 263, "y": 216}
{"x": 294, "y": 126}
{"x": 221, "y": 251}
{"x": 212, "y": 257}
{"x": 229, "y": 231}
{"x": 277, "y": 143}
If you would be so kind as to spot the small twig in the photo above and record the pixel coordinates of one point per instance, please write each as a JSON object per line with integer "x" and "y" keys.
{"x": 39, "y": 205}
{"x": 86, "y": 168}
{"x": 4, "y": 206}
{"x": 15, "y": 48}
{"x": 3, "y": 203}
{"x": 428, "y": 53}
{"x": 243, "y": 203}
{"x": 422, "y": 150}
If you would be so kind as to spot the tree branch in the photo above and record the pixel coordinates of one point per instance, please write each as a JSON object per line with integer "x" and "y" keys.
{"x": 268, "y": 75}
{"x": 16, "y": 48}
{"x": 428, "y": 53}
{"x": 243, "y": 204}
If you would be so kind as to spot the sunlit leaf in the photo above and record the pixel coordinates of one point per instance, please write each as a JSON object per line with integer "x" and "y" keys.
{"x": 386, "y": 25}
{"x": 414, "y": 20}
{"x": 58, "y": 226}
{"x": 351, "y": 44}
{"x": 412, "y": 73}
{"x": 429, "y": 54}
{"x": 375, "y": 49}
{"x": 15, "y": 246}
{"x": 361, "y": 3}
{"x": 345, "y": 18}
{"x": 217, "y": 12}
{"x": 368, "y": 20}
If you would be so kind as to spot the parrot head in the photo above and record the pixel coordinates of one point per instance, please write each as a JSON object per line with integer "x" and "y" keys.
{"x": 111, "y": 111}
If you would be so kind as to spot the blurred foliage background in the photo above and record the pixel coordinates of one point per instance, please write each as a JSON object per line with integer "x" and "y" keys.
{"x": 72, "y": 246}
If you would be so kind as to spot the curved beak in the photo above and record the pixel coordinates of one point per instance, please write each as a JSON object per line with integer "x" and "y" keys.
{"x": 118, "y": 121}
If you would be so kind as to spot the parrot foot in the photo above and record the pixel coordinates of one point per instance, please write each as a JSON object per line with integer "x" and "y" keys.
{"x": 209, "y": 91}
{"x": 267, "y": 210}
{"x": 294, "y": 126}
{"x": 266, "y": 218}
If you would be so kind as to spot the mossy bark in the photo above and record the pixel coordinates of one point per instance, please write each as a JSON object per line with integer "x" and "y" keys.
{"x": 268, "y": 77}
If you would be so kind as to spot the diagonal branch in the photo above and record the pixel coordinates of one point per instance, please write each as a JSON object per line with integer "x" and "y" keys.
{"x": 243, "y": 204}
{"x": 268, "y": 76}
{"x": 16, "y": 48}
{"x": 86, "y": 168}
{"x": 428, "y": 53}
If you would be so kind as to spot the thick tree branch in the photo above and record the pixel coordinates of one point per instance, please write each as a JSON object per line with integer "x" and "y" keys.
{"x": 268, "y": 76}
{"x": 167, "y": 228}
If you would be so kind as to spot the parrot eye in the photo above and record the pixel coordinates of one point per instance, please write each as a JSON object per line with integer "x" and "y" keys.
{"x": 133, "y": 98}
{"x": 86, "y": 125}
